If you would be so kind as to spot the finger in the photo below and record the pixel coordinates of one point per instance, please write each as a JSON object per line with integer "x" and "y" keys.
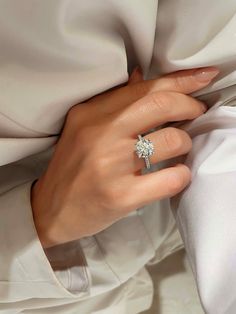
{"x": 154, "y": 186}
{"x": 135, "y": 77}
{"x": 168, "y": 143}
{"x": 156, "y": 109}
{"x": 186, "y": 82}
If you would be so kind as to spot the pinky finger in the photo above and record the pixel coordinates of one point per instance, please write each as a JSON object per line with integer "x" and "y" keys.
{"x": 158, "y": 185}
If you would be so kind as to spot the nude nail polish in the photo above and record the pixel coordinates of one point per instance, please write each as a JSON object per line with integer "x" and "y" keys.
{"x": 205, "y": 75}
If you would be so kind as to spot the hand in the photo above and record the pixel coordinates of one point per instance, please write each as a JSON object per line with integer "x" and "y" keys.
{"x": 94, "y": 177}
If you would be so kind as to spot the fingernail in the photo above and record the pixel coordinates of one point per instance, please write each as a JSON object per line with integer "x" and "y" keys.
{"x": 204, "y": 106}
{"x": 205, "y": 75}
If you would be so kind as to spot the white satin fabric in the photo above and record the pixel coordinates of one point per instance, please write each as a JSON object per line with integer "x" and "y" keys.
{"x": 55, "y": 54}
{"x": 204, "y": 33}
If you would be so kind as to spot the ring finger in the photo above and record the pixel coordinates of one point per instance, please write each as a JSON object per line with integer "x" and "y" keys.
{"x": 168, "y": 143}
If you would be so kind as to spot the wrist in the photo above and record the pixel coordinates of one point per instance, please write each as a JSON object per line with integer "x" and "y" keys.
{"x": 45, "y": 223}
{"x": 37, "y": 210}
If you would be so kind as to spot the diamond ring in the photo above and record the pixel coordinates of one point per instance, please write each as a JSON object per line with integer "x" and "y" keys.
{"x": 144, "y": 148}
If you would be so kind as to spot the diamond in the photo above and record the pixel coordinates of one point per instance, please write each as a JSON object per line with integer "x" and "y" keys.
{"x": 144, "y": 148}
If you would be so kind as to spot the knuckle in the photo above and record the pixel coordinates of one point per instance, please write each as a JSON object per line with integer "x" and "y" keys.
{"x": 174, "y": 139}
{"x": 73, "y": 114}
{"x": 112, "y": 198}
{"x": 180, "y": 83}
{"x": 77, "y": 114}
{"x": 161, "y": 102}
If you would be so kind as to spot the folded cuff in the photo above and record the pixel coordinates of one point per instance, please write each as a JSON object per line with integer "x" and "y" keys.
{"x": 25, "y": 271}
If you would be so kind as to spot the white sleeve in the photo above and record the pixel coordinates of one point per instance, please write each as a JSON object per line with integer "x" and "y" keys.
{"x": 25, "y": 270}
{"x": 73, "y": 272}
{"x": 68, "y": 263}
{"x": 206, "y": 210}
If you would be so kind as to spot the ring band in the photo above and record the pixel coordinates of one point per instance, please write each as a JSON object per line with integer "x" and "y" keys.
{"x": 144, "y": 148}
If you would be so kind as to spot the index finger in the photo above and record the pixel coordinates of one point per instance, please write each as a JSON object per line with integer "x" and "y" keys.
{"x": 185, "y": 82}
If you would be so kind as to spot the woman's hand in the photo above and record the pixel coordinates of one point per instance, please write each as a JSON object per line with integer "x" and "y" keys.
{"x": 94, "y": 177}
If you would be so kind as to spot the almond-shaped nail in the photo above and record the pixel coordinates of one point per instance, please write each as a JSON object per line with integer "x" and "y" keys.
{"x": 205, "y": 75}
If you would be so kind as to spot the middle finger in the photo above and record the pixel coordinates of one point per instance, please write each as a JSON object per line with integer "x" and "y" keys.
{"x": 156, "y": 109}
{"x": 168, "y": 143}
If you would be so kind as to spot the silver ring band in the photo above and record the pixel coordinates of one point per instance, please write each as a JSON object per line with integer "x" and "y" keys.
{"x": 144, "y": 148}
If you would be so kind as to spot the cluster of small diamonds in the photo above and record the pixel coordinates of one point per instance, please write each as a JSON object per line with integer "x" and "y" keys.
{"x": 144, "y": 148}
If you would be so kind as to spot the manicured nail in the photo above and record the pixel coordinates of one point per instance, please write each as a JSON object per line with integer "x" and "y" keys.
{"x": 204, "y": 106}
{"x": 205, "y": 75}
